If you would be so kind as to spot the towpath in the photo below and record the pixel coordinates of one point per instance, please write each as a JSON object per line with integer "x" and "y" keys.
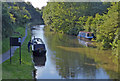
{"x": 5, "y": 56}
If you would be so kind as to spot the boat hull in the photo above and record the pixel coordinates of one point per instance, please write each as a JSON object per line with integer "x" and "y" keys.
{"x": 38, "y": 47}
{"x": 39, "y": 53}
{"x": 88, "y": 39}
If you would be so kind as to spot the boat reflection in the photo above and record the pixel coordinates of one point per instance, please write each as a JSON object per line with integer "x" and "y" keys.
{"x": 85, "y": 43}
{"x": 39, "y": 60}
{"x": 34, "y": 75}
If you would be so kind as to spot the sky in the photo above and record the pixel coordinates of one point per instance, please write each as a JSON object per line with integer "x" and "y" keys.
{"x": 38, "y": 3}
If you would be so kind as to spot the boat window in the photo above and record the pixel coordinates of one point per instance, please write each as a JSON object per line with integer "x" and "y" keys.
{"x": 37, "y": 41}
{"x": 82, "y": 33}
{"x": 89, "y": 34}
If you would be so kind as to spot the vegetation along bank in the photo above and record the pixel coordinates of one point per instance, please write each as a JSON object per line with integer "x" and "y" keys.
{"x": 15, "y": 17}
{"x": 101, "y": 18}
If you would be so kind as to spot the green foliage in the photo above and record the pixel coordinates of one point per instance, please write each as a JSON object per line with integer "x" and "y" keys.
{"x": 109, "y": 29}
{"x": 15, "y": 16}
{"x": 12, "y": 16}
{"x": 6, "y": 41}
{"x": 36, "y": 13}
{"x": 6, "y": 21}
{"x": 101, "y": 18}
{"x": 18, "y": 14}
{"x": 71, "y": 17}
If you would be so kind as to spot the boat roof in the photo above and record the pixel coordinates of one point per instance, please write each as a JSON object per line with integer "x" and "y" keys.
{"x": 39, "y": 40}
{"x": 85, "y": 32}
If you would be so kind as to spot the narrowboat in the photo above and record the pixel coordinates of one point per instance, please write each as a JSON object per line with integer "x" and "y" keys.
{"x": 85, "y": 35}
{"x": 38, "y": 47}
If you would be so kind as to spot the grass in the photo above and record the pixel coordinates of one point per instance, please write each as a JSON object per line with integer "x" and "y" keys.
{"x": 5, "y": 45}
{"x": 15, "y": 70}
{"x": 6, "y": 41}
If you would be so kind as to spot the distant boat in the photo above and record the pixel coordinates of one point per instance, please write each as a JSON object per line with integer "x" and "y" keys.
{"x": 85, "y": 35}
{"x": 38, "y": 47}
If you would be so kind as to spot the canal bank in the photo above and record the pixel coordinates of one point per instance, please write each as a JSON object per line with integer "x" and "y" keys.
{"x": 5, "y": 41}
{"x": 15, "y": 70}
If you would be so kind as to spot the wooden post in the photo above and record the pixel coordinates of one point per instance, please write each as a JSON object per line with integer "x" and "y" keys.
{"x": 20, "y": 53}
{"x": 10, "y": 54}
{"x": 10, "y": 50}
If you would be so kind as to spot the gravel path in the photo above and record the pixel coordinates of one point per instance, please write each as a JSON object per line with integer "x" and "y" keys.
{"x": 5, "y": 56}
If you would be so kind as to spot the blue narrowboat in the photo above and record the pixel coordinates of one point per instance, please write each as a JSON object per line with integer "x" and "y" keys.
{"x": 85, "y": 35}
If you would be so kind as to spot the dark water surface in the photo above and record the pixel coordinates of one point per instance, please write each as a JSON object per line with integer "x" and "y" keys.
{"x": 70, "y": 58}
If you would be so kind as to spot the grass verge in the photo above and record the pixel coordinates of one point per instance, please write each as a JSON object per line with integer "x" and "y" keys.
{"x": 6, "y": 41}
{"x": 15, "y": 70}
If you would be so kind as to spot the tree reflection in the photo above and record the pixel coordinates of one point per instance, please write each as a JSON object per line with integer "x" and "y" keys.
{"x": 73, "y": 60}
{"x": 74, "y": 66}
{"x": 70, "y": 64}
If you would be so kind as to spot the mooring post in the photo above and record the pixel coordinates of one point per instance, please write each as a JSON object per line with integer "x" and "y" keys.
{"x": 10, "y": 54}
{"x": 10, "y": 50}
{"x": 20, "y": 53}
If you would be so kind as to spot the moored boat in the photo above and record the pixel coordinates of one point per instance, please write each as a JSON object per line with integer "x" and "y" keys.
{"x": 85, "y": 35}
{"x": 38, "y": 47}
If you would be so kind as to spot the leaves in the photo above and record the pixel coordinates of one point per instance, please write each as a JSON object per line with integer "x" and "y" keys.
{"x": 101, "y": 18}
{"x": 16, "y": 15}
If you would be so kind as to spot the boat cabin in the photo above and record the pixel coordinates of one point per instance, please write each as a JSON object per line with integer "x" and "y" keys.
{"x": 86, "y": 35}
{"x": 37, "y": 41}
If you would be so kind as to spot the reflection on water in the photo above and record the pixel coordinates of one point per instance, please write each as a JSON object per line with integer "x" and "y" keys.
{"x": 75, "y": 66}
{"x": 38, "y": 33}
{"x": 39, "y": 60}
{"x": 68, "y": 59}
{"x": 84, "y": 43}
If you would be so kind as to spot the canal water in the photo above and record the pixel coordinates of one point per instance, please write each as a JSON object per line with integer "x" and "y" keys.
{"x": 70, "y": 58}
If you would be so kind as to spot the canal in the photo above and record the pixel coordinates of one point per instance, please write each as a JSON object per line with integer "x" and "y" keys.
{"x": 70, "y": 58}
